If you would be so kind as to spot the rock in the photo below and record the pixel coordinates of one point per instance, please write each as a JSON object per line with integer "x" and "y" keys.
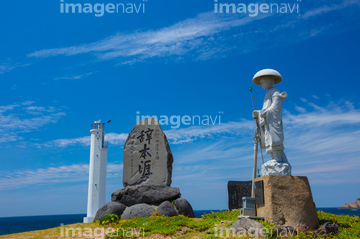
{"x": 167, "y": 209}
{"x": 110, "y": 208}
{"x": 184, "y": 207}
{"x": 147, "y": 156}
{"x": 286, "y": 231}
{"x": 249, "y": 226}
{"x": 351, "y": 205}
{"x": 138, "y": 210}
{"x": 303, "y": 228}
{"x": 273, "y": 167}
{"x": 150, "y": 194}
{"x": 327, "y": 228}
{"x": 345, "y": 206}
{"x": 288, "y": 202}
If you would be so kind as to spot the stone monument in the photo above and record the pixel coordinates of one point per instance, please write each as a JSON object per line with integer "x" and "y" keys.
{"x": 147, "y": 156}
{"x": 147, "y": 177}
{"x": 270, "y": 121}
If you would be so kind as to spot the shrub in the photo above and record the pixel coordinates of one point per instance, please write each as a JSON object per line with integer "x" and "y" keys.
{"x": 110, "y": 218}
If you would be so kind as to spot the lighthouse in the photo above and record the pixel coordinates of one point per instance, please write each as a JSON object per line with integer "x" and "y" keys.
{"x": 97, "y": 170}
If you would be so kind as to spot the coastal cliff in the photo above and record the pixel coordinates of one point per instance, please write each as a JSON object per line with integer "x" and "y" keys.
{"x": 352, "y": 205}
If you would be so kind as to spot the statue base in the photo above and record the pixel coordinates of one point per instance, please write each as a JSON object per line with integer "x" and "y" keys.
{"x": 287, "y": 201}
{"x": 273, "y": 167}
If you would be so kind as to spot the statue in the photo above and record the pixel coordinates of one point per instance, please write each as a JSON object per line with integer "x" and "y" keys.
{"x": 270, "y": 122}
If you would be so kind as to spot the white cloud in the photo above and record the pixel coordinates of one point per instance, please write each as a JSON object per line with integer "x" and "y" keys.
{"x": 300, "y": 109}
{"x": 15, "y": 120}
{"x": 315, "y": 97}
{"x": 67, "y": 142}
{"x": 329, "y": 8}
{"x": 4, "y": 68}
{"x": 9, "y": 65}
{"x": 51, "y": 175}
{"x": 321, "y": 143}
{"x": 29, "y": 102}
{"x": 178, "y": 39}
{"x": 332, "y": 115}
{"x": 75, "y": 77}
{"x": 203, "y": 37}
{"x": 114, "y": 139}
{"x": 177, "y": 136}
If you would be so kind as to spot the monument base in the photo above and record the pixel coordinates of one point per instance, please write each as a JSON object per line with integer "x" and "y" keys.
{"x": 88, "y": 219}
{"x": 288, "y": 201}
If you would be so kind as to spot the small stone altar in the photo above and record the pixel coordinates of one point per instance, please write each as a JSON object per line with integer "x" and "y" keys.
{"x": 147, "y": 177}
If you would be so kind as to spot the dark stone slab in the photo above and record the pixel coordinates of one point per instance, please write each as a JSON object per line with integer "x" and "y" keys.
{"x": 237, "y": 190}
{"x": 259, "y": 192}
{"x": 149, "y": 194}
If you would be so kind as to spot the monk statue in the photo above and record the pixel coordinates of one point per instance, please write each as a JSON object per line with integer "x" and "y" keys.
{"x": 271, "y": 125}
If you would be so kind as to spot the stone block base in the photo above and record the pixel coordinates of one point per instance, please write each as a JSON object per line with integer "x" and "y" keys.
{"x": 288, "y": 201}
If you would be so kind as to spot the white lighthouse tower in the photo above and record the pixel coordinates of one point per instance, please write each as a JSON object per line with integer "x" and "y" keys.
{"x": 97, "y": 170}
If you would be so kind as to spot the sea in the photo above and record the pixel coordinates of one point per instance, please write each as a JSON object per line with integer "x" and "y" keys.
{"x": 10, "y": 225}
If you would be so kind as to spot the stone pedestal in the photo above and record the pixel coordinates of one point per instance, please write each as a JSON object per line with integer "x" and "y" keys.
{"x": 288, "y": 201}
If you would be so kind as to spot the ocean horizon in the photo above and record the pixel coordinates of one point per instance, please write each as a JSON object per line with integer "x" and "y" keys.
{"x": 11, "y": 225}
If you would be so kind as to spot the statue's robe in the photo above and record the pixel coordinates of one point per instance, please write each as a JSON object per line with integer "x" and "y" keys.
{"x": 271, "y": 127}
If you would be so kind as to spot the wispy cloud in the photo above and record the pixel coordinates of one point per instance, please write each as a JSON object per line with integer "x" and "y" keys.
{"x": 4, "y": 68}
{"x": 177, "y": 39}
{"x": 321, "y": 143}
{"x": 329, "y": 8}
{"x": 203, "y": 37}
{"x": 9, "y": 65}
{"x": 51, "y": 175}
{"x": 18, "y": 118}
{"x": 75, "y": 77}
{"x": 310, "y": 117}
{"x": 179, "y": 136}
{"x": 113, "y": 138}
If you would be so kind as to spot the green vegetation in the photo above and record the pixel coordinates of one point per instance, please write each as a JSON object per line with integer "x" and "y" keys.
{"x": 208, "y": 226}
{"x": 111, "y": 218}
{"x": 358, "y": 199}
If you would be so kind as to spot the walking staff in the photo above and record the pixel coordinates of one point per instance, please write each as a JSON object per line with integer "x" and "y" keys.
{"x": 256, "y": 139}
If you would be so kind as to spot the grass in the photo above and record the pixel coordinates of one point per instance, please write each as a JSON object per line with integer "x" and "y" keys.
{"x": 182, "y": 227}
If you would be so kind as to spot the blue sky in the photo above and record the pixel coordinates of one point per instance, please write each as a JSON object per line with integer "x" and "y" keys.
{"x": 60, "y": 72}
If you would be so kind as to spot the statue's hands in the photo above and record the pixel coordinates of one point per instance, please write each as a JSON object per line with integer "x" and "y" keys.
{"x": 255, "y": 114}
{"x": 263, "y": 114}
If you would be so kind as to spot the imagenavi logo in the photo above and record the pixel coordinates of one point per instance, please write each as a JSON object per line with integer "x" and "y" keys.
{"x": 100, "y": 9}
{"x": 254, "y": 9}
